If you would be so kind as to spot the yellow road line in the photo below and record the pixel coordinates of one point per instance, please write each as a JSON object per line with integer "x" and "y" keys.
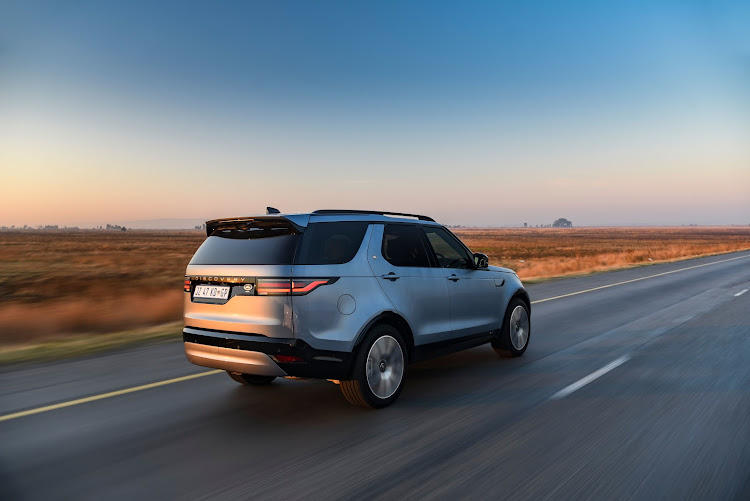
{"x": 101, "y": 396}
{"x": 637, "y": 279}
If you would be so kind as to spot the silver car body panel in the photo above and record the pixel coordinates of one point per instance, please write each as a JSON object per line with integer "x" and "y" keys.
{"x": 269, "y": 316}
{"x": 330, "y": 317}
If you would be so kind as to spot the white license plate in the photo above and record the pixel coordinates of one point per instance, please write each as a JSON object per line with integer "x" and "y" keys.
{"x": 211, "y": 291}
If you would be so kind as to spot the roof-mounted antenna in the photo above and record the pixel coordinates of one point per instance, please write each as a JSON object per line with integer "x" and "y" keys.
{"x": 272, "y": 210}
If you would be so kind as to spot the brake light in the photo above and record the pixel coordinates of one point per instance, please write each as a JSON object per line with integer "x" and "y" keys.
{"x": 187, "y": 285}
{"x": 287, "y": 286}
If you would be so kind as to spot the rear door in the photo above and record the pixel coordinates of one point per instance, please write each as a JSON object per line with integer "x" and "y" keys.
{"x": 474, "y": 300}
{"x": 418, "y": 291}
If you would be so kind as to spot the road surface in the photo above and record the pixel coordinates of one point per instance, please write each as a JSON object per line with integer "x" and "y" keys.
{"x": 636, "y": 384}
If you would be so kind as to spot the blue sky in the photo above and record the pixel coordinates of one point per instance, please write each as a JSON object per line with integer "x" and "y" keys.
{"x": 483, "y": 113}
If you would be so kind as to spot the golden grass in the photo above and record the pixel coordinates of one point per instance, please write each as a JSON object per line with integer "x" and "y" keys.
{"x": 62, "y": 283}
{"x": 59, "y": 284}
{"x": 536, "y": 253}
{"x": 71, "y": 315}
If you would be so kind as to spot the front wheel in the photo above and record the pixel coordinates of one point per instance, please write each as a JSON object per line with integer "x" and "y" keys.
{"x": 379, "y": 369}
{"x": 513, "y": 338}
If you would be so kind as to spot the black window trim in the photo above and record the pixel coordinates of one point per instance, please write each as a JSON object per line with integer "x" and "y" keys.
{"x": 428, "y": 246}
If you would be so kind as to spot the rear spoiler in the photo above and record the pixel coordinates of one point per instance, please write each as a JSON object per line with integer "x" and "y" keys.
{"x": 234, "y": 222}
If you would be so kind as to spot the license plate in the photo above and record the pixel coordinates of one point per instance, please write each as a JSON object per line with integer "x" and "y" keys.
{"x": 211, "y": 292}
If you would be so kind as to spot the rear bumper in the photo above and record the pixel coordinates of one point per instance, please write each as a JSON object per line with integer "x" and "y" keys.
{"x": 246, "y": 362}
{"x": 255, "y": 354}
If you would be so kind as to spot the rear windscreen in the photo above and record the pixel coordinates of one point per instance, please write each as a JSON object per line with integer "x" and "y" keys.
{"x": 331, "y": 243}
{"x": 254, "y": 242}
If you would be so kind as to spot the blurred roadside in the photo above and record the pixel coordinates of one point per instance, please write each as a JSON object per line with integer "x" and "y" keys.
{"x": 64, "y": 293}
{"x": 58, "y": 284}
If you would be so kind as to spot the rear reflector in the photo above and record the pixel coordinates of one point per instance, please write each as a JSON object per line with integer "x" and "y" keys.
{"x": 286, "y": 359}
{"x": 287, "y": 286}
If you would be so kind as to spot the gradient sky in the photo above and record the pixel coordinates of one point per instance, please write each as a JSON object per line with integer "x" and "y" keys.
{"x": 485, "y": 113}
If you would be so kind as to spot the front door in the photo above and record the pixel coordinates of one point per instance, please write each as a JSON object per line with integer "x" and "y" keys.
{"x": 474, "y": 302}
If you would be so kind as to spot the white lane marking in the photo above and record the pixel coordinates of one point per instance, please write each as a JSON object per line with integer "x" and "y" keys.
{"x": 741, "y": 292}
{"x": 638, "y": 279}
{"x": 591, "y": 377}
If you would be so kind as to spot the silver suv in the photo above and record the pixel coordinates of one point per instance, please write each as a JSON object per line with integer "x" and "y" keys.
{"x": 344, "y": 295}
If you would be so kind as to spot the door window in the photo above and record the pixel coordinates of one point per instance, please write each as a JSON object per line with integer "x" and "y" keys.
{"x": 402, "y": 246}
{"x": 448, "y": 250}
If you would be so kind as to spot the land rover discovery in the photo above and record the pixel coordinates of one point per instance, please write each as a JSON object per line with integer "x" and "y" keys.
{"x": 344, "y": 295}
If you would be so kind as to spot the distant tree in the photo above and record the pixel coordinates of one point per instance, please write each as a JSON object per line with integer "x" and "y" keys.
{"x": 562, "y": 223}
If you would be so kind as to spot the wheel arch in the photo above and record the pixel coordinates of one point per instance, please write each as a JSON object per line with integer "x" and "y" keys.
{"x": 523, "y": 296}
{"x": 393, "y": 319}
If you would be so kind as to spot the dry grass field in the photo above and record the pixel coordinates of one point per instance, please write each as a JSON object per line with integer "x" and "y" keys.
{"x": 537, "y": 253}
{"x": 56, "y": 283}
{"x": 67, "y": 282}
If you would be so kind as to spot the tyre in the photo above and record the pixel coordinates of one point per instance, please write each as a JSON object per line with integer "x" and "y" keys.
{"x": 250, "y": 379}
{"x": 379, "y": 371}
{"x": 513, "y": 338}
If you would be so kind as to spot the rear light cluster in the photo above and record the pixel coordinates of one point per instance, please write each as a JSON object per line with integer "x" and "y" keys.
{"x": 187, "y": 285}
{"x": 290, "y": 287}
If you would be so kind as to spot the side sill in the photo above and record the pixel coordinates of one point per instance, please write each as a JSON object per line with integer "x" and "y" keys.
{"x": 433, "y": 350}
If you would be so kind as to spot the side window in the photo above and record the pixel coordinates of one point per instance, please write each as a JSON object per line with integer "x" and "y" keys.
{"x": 330, "y": 243}
{"x": 402, "y": 246}
{"x": 448, "y": 251}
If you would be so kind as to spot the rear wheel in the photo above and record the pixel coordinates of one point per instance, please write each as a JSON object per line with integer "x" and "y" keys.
{"x": 379, "y": 369}
{"x": 251, "y": 379}
{"x": 513, "y": 338}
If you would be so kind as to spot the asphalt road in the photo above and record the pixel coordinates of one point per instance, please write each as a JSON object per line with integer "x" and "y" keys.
{"x": 637, "y": 390}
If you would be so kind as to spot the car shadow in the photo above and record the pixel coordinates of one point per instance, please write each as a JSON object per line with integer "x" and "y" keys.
{"x": 434, "y": 383}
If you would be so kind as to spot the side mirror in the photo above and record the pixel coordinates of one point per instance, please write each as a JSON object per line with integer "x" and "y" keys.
{"x": 481, "y": 261}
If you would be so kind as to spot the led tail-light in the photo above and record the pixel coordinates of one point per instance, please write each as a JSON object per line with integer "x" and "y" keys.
{"x": 187, "y": 285}
{"x": 287, "y": 286}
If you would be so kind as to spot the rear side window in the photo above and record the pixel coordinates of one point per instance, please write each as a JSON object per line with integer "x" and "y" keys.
{"x": 331, "y": 243}
{"x": 254, "y": 242}
{"x": 402, "y": 246}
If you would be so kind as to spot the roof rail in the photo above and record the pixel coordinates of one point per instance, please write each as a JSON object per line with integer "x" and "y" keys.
{"x": 377, "y": 212}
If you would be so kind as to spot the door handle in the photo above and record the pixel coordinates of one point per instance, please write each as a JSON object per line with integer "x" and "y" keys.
{"x": 454, "y": 277}
{"x": 390, "y": 276}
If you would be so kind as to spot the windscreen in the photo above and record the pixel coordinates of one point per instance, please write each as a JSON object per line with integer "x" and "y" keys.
{"x": 249, "y": 242}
